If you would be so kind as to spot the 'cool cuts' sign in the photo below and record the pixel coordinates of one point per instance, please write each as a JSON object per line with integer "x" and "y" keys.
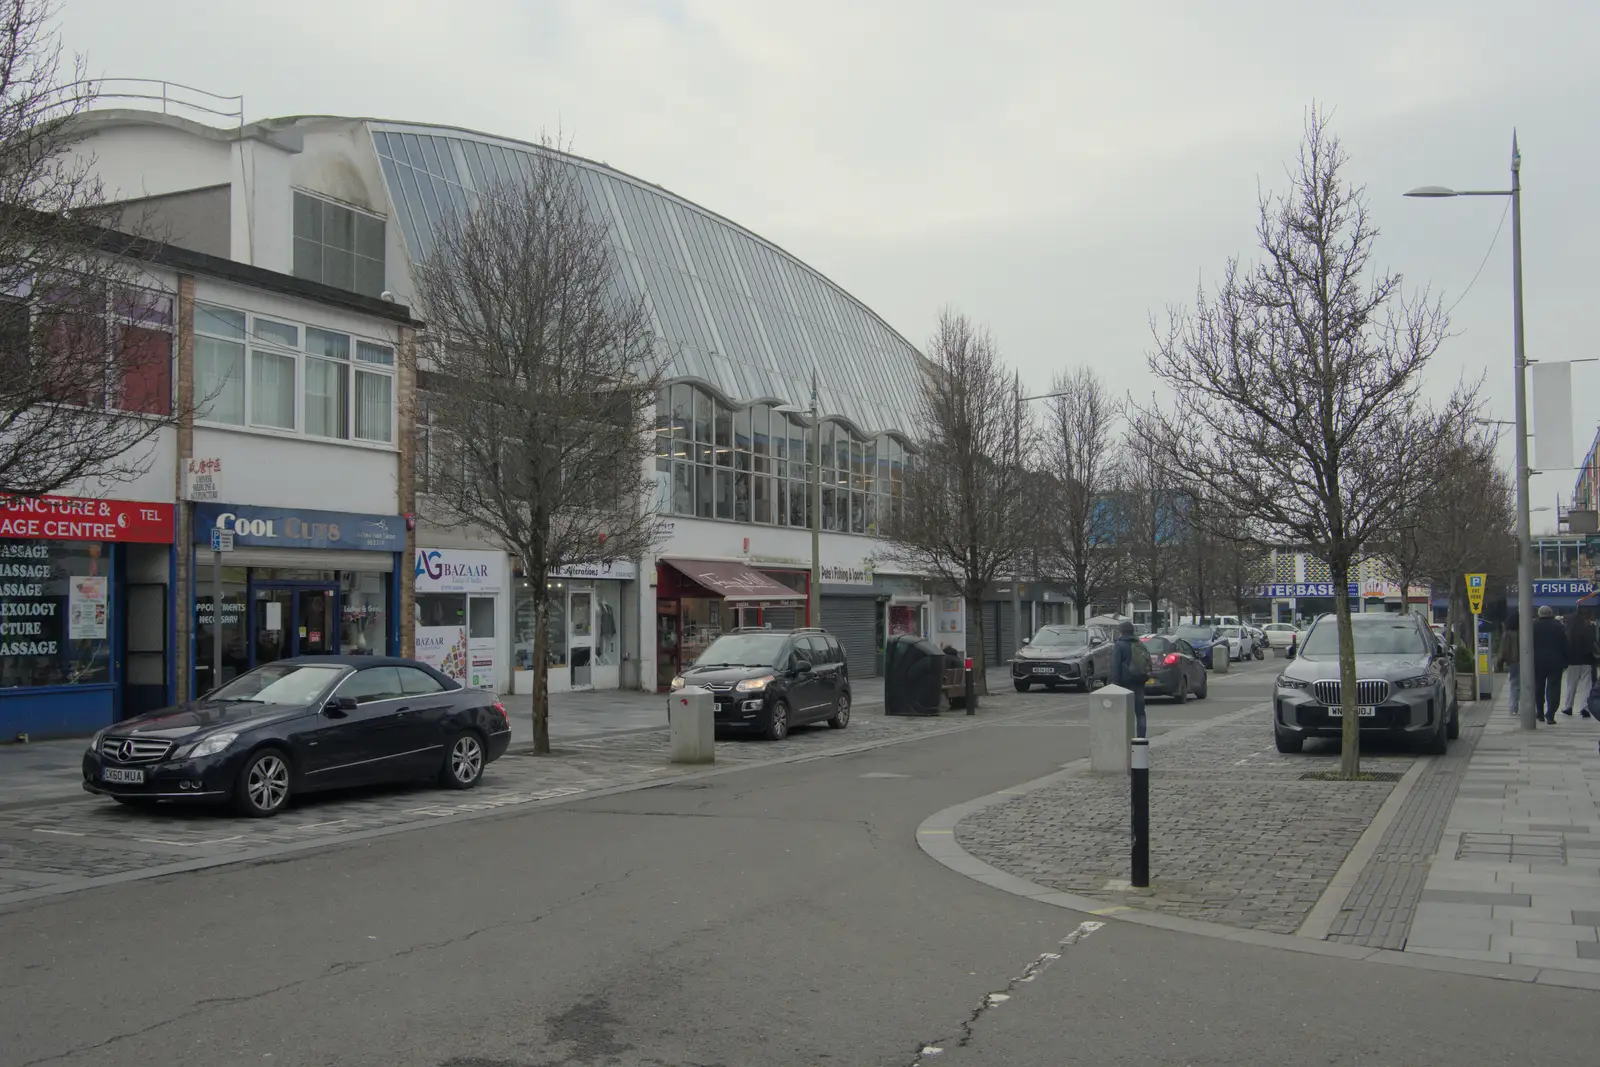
{"x": 300, "y": 528}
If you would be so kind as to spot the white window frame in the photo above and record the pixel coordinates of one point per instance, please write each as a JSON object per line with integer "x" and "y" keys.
{"x": 300, "y": 356}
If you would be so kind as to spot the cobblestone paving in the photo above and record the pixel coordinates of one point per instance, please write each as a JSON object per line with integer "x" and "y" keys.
{"x": 78, "y": 841}
{"x": 1379, "y": 909}
{"x": 1236, "y": 836}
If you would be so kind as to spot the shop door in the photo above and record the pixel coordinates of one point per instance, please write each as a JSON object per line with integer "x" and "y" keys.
{"x": 580, "y": 638}
{"x": 294, "y": 621}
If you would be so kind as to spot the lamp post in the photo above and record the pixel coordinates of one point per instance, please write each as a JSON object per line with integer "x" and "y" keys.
{"x": 1016, "y": 579}
{"x": 1520, "y": 392}
{"x": 813, "y": 419}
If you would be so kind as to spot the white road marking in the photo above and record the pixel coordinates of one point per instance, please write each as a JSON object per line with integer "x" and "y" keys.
{"x": 63, "y": 833}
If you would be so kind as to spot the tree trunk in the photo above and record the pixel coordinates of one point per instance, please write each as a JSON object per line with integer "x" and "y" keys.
{"x": 980, "y": 664}
{"x": 541, "y": 668}
{"x": 1350, "y": 738}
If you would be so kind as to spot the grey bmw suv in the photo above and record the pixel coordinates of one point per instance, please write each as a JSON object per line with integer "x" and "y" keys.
{"x": 1405, "y": 684}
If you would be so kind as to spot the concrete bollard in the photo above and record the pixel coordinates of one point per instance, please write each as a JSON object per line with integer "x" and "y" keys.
{"x": 1220, "y": 663}
{"x": 692, "y": 716}
{"x": 1110, "y": 730}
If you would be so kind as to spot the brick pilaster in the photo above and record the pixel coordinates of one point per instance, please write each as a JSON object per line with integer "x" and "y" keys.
{"x": 406, "y": 435}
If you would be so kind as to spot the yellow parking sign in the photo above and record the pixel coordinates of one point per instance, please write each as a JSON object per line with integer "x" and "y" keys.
{"x": 1475, "y": 587}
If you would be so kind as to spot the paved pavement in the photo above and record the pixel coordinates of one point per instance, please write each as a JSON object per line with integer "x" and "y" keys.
{"x": 769, "y": 915}
{"x": 1516, "y": 877}
{"x": 1238, "y": 835}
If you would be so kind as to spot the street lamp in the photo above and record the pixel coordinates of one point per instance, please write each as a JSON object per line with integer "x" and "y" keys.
{"x": 811, "y": 417}
{"x": 1016, "y": 579}
{"x": 1520, "y": 367}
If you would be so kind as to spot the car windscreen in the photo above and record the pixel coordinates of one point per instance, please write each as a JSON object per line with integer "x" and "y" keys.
{"x": 1060, "y": 637}
{"x": 282, "y": 683}
{"x": 1158, "y": 646}
{"x": 1201, "y": 634}
{"x": 1376, "y": 638}
{"x": 743, "y": 650}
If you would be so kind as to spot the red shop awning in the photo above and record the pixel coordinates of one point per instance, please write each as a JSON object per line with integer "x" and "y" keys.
{"x": 733, "y": 581}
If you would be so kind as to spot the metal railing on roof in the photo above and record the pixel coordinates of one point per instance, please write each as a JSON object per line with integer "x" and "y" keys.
{"x": 169, "y": 97}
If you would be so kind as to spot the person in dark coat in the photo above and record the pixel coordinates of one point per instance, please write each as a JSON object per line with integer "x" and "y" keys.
{"x": 1121, "y": 662}
{"x": 1549, "y": 660}
{"x": 1580, "y": 662}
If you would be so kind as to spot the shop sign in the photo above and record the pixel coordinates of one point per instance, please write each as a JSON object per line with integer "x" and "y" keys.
{"x": 1562, "y": 587}
{"x": 1286, "y": 590}
{"x": 300, "y": 528}
{"x": 847, "y": 575}
{"x": 202, "y": 478}
{"x": 444, "y": 648}
{"x": 70, "y": 518}
{"x": 447, "y": 570}
{"x": 622, "y": 569}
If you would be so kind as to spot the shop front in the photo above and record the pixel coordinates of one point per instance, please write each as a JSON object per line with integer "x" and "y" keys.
{"x": 585, "y": 627}
{"x": 459, "y": 594}
{"x": 697, "y": 600}
{"x": 84, "y": 613}
{"x": 296, "y": 583}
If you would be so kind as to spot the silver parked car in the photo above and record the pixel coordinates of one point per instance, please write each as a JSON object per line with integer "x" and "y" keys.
{"x": 1405, "y": 684}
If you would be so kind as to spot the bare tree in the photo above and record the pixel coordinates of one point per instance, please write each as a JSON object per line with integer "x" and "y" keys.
{"x": 85, "y": 336}
{"x": 970, "y": 502}
{"x": 1079, "y": 452}
{"x": 1217, "y": 558}
{"x": 1297, "y": 386}
{"x": 1468, "y": 522}
{"x": 1152, "y": 522}
{"x": 541, "y": 386}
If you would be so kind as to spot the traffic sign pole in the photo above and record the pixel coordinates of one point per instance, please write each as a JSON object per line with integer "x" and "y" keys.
{"x": 1475, "y": 589}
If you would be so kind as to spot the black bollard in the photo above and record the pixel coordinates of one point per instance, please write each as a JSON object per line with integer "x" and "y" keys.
{"x": 971, "y": 695}
{"x": 1140, "y": 780}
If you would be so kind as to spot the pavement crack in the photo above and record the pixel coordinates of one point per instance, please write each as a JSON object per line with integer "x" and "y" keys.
{"x": 967, "y": 1029}
{"x": 333, "y": 970}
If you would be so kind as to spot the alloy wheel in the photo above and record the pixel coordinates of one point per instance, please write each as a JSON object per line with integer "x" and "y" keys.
{"x": 267, "y": 783}
{"x": 841, "y": 715}
{"x": 778, "y": 722}
{"x": 466, "y": 759}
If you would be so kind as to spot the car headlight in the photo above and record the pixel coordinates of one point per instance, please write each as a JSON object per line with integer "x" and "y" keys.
{"x": 754, "y": 685}
{"x": 677, "y": 683}
{"x": 94, "y": 742}
{"x": 212, "y": 745}
{"x": 1421, "y": 681}
{"x": 1285, "y": 682}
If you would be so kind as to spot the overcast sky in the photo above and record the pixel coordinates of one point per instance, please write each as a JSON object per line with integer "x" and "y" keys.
{"x": 1059, "y": 170}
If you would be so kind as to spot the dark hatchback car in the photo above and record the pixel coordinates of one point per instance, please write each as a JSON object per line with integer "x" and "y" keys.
{"x": 1203, "y": 639}
{"x": 1078, "y": 656}
{"x": 1175, "y": 670}
{"x": 771, "y": 680}
{"x": 299, "y": 726}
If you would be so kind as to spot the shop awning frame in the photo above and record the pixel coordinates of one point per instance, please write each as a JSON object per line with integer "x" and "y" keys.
{"x": 732, "y": 581}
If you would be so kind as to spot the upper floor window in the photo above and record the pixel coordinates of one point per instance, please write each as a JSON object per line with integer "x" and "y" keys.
{"x": 252, "y": 370}
{"x": 100, "y": 349}
{"x": 337, "y": 245}
{"x": 754, "y": 464}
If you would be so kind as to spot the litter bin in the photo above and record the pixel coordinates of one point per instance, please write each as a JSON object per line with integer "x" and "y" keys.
{"x": 912, "y": 676}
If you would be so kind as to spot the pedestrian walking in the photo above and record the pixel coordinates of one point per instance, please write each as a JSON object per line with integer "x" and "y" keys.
{"x": 1580, "y": 662}
{"x": 1130, "y": 668}
{"x": 1509, "y": 657}
{"x": 1549, "y": 661}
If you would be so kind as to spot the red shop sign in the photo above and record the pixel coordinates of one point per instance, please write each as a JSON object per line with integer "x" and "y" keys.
{"x": 70, "y": 518}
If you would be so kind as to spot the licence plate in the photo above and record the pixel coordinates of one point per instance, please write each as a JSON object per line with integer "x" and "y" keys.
{"x": 1361, "y": 713}
{"x": 121, "y": 774}
{"x": 1151, "y": 681}
{"x": 1044, "y": 670}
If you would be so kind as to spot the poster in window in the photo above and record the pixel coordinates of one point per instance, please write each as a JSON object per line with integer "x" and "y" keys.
{"x": 86, "y": 608}
{"x": 444, "y": 648}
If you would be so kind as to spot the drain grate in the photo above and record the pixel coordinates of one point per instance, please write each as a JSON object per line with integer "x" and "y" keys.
{"x": 1505, "y": 848}
{"x": 1364, "y": 776}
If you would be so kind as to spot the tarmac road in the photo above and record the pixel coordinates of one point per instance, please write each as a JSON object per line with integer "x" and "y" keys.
{"x": 776, "y": 915}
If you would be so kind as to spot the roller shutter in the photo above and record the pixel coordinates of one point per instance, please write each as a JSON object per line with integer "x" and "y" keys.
{"x": 851, "y": 621}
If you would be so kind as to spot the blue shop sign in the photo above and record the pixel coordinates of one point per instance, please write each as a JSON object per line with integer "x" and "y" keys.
{"x": 1562, "y": 587}
{"x": 1288, "y": 590}
{"x": 300, "y": 528}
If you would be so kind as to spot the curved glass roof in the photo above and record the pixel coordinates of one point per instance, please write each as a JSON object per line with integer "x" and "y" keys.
{"x": 738, "y": 312}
